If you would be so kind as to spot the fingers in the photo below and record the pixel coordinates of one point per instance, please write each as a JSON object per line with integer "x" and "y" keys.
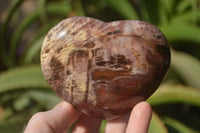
{"x": 117, "y": 125}
{"x": 137, "y": 123}
{"x": 56, "y": 120}
{"x": 64, "y": 115}
{"x": 140, "y": 118}
{"x": 86, "y": 124}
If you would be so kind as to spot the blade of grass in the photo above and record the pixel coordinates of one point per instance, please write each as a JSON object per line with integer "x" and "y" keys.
{"x": 21, "y": 103}
{"x": 47, "y": 99}
{"x": 34, "y": 49}
{"x": 34, "y": 46}
{"x": 21, "y": 98}
{"x": 151, "y": 11}
{"x": 59, "y": 8}
{"x": 17, "y": 125}
{"x": 187, "y": 4}
{"x": 62, "y": 8}
{"x": 178, "y": 126}
{"x": 5, "y": 58}
{"x": 188, "y": 67}
{"x": 181, "y": 31}
{"x": 187, "y": 17}
{"x": 22, "y": 77}
{"x": 103, "y": 126}
{"x": 183, "y": 6}
{"x": 124, "y": 8}
{"x": 78, "y": 8}
{"x": 157, "y": 125}
{"x": 19, "y": 31}
{"x": 42, "y": 11}
{"x": 169, "y": 6}
{"x": 12, "y": 95}
{"x": 175, "y": 93}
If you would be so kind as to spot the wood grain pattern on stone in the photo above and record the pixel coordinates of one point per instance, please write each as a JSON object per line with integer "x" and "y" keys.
{"x": 104, "y": 69}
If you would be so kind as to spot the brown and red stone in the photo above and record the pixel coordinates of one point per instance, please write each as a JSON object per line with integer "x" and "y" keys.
{"x": 104, "y": 69}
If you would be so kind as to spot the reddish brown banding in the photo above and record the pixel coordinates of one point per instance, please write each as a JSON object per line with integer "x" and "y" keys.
{"x": 104, "y": 69}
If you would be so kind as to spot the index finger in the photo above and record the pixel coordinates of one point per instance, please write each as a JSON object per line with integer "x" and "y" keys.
{"x": 140, "y": 118}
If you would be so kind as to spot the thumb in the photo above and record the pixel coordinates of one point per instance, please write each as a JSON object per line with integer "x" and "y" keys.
{"x": 57, "y": 120}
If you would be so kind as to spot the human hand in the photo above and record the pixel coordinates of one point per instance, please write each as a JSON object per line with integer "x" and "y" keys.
{"x": 62, "y": 116}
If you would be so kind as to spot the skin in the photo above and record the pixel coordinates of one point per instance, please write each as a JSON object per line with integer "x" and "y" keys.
{"x": 63, "y": 115}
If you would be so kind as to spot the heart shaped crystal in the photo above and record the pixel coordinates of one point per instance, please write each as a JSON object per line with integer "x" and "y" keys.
{"x": 104, "y": 69}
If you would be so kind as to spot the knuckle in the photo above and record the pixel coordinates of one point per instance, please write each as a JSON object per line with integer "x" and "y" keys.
{"x": 38, "y": 116}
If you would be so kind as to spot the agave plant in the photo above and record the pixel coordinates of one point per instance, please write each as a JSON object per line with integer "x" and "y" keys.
{"x": 23, "y": 90}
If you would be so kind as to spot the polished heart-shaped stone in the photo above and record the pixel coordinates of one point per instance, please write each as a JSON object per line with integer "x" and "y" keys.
{"x": 104, "y": 69}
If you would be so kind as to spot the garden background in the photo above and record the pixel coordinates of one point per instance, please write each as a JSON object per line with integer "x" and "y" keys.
{"x": 24, "y": 23}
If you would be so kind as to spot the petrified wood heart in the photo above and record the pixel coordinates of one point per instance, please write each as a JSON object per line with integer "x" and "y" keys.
{"x": 104, "y": 69}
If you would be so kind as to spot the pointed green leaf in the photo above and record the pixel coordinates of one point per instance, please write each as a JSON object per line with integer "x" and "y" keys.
{"x": 61, "y": 8}
{"x": 175, "y": 93}
{"x": 78, "y": 8}
{"x": 34, "y": 45}
{"x": 124, "y": 8}
{"x": 22, "y": 77}
{"x": 190, "y": 17}
{"x": 188, "y": 67}
{"x": 183, "y": 6}
{"x": 103, "y": 126}
{"x": 3, "y": 53}
{"x": 178, "y": 126}
{"x": 34, "y": 49}
{"x": 157, "y": 125}
{"x": 151, "y": 11}
{"x": 181, "y": 31}
{"x": 47, "y": 99}
{"x": 42, "y": 11}
{"x": 169, "y": 6}
{"x": 12, "y": 126}
{"x": 21, "y": 102}
{"x": 19, "y": 31}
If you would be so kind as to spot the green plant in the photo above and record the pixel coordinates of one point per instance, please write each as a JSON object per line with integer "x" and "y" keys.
{"x": 23, "y": 90}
